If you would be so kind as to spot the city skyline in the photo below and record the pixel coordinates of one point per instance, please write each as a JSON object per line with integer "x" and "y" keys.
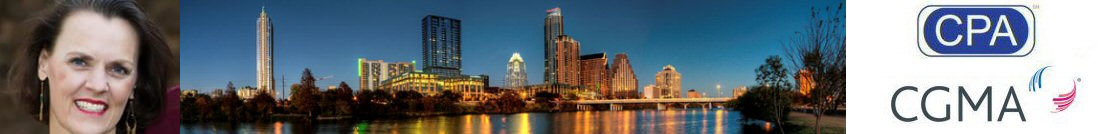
{"x": 709, "y": 54}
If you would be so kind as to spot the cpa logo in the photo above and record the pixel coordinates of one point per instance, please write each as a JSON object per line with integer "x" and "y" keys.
{"x": 976, "y": 31}
{"x": 1063, "y": 94}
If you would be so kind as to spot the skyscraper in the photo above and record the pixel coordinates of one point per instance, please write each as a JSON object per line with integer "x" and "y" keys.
{"x": 623, "y": 81}
{"x": 265, "y": 76}
{"x": 669, "y": 82}
{"x": 442, "y": 50}
{"x": 517, "y": 72}
{"x": 370, "y": 73}
{"x": 594, "y": 73}
{"x": 554, "y": 27}
{"x": 568, "y": 60}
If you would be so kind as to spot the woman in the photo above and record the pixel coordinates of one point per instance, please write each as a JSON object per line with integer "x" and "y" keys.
{"x": 93, "y": 66}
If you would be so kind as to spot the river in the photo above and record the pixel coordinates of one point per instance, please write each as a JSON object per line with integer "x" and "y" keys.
{"x": 692, "y": 120}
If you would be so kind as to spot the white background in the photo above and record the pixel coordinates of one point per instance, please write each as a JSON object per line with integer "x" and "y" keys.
{"x": 883, "y": 56}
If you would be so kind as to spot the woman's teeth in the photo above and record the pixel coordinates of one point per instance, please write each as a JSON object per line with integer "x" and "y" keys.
{"x": 94, "y": 107}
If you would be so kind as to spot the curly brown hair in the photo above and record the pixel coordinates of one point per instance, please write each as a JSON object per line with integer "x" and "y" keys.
{"x": 155, "y": 59}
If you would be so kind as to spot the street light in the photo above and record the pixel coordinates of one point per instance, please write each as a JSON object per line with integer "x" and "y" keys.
{"x": 719, "y": 87}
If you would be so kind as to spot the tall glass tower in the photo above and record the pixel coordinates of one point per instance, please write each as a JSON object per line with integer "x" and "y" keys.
{"x": 554, "y": 28}
{"x": 442, "y": 50}
{"x": 265, "y": 58}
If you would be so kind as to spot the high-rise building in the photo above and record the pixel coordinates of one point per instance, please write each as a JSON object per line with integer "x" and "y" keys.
{"x": 554, "y": 27}
{"x": 669, "y": 82}
{"x": 623, "y": 81}
{"x": 516, "y": 76}
{"x": 370, "y": 73}
{"x": 373, "y": 72}
{"x": 442, "y": 50}
{"x": 568, "y": 60}
{"x": 594, "y": 73}
{"x": 397, "y": 68}
{"x": 265, "y": 57}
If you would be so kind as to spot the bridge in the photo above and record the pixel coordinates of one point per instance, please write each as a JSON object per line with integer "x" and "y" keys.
{"x": 616, "y": 104}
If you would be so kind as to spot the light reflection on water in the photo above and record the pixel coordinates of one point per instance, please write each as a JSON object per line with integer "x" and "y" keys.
{"x": 631, "y": 121}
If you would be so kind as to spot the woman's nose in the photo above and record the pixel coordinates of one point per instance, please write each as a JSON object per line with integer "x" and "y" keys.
{"x": 97, "y": 81}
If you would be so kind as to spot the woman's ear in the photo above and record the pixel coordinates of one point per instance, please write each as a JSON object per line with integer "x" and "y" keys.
{"x": 43, "y": 65}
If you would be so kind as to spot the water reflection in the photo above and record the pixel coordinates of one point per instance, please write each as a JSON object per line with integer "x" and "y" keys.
{"x": 581, "y": 122}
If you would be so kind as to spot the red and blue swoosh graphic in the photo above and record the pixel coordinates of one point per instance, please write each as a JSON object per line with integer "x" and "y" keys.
{"x": 1064, "y": 100}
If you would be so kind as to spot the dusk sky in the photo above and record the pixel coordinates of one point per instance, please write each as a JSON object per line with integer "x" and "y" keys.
{"x": 709, "y": 42}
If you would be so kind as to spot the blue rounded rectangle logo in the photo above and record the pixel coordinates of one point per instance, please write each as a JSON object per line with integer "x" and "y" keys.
{"x": 976, "y": 31}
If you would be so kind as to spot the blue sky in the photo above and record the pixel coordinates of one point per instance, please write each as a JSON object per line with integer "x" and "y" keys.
{"x": 709, "y": 42}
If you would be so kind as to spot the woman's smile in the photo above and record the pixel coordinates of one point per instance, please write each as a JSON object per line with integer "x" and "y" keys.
{"x": 91, "y": 106}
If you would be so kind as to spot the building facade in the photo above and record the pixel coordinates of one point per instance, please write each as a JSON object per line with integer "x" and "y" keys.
{"x": 558, "y": 88}
{"x": 568, "y": 60}
{"x": 373, "y": 72}
{"x": 594, "y": 73}
{"x": 649, "y": 92}
{"x": 247, "y": 93}
{"x": 553, "y": 28}
{"x": 472, "y": 88}
{"x": 623, "y": 81}
{"x": 442, "y": 45}
{"x": 669, "y": 82}
{"x": 693, "y": 94}
{"x": 265, "y": 56}
{"x": 516, "y": 76}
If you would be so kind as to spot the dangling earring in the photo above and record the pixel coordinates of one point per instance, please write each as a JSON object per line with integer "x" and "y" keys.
{"x": 41, "y": 100}
{"x": 132, "y": 125}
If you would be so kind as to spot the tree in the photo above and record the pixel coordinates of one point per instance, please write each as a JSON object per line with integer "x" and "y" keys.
{"x": 373, "y": 103}
{"x": 407, "y": 101}
{"x": 508, "y": 102}
{"x": 305, "y": 94}
{"x": 545, "y": 101}
{"x": 446, "y": 101}
{"x": 263, "y": 105}
{"x": 819, "y": 50}
{"x": 204, "y": 107}
{"x": 336, "y": 101}
{"x": 768, "y": 100}
{"x": 230, "y": 103}
{"x": 772, "y": 73}
{"x": 188, "y": 107}
{"x": 343, "y": 99}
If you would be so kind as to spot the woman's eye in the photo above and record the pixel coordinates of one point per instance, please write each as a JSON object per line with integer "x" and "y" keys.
{"x": 120, "y": 70}
{"x": 79, "y": 62}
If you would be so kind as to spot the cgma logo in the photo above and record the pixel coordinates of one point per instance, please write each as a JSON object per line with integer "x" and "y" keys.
{"x": 1062, "y": 99}
{"x": 976, "y": 31}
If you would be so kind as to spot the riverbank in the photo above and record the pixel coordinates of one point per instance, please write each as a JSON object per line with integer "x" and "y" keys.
{"x": 804, "y": 123}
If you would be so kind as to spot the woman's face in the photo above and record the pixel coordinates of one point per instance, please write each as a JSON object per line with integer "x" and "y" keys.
{"x": 91, "y": 71}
